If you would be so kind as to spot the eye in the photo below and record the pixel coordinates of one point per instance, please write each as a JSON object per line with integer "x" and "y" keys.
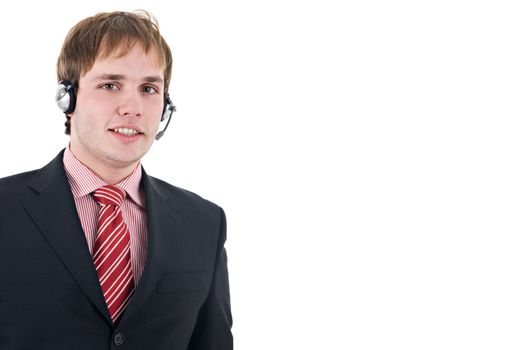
{"x": 150, "y": 89}
{"x": 109, "y": 86}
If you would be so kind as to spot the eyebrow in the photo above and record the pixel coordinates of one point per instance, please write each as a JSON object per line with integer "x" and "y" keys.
{"x": 148, "y": 79}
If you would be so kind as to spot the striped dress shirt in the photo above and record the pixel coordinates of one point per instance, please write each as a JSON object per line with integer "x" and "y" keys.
{"x": 83, "y": 182}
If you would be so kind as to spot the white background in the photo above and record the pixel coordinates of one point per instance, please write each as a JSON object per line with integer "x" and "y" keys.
{"x": 368, "y": 154}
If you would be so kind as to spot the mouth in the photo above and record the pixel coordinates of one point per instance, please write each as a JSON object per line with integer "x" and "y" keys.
{"x": 126, "y": 131}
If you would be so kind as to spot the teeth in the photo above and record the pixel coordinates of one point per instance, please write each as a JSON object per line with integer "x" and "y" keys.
{"x": 126, "y": 131}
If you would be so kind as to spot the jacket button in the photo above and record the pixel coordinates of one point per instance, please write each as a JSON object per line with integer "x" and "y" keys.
{"x": 118, "y": 339}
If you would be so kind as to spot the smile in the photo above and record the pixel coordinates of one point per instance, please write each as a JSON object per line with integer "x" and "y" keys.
{"x": 126, "y": 131}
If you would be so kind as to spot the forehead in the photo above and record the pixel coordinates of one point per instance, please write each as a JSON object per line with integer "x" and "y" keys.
{"x": 132, "y": 62}
{"x": 116, "y": 51}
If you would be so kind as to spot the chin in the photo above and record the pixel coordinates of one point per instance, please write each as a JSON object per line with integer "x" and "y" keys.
{"x": 123, "y": 161}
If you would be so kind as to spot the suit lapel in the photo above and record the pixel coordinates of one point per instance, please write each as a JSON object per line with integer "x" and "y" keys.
{"x": 55, "y": 214}
{"x": 163, "y": 229}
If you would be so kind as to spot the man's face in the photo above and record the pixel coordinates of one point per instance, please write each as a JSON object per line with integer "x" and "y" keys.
{"x": 118, "y": 110}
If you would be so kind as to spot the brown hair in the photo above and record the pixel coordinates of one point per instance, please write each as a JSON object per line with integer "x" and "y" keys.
{"x": 101, "y": 36}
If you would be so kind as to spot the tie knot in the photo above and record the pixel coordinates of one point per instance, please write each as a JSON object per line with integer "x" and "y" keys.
{"x": 109, "y": 195}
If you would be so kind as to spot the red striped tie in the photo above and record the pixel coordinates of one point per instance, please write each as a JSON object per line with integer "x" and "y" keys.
{"x": 111, "y": 255}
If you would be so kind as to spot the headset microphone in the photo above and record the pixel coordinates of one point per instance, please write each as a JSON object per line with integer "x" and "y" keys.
{"x": 169, "y": 108}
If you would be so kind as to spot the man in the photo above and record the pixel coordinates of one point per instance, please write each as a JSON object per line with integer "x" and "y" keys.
{"x": 95, "y": 253}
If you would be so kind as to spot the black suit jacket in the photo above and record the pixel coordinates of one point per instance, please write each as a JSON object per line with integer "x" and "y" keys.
{"x": 50, "y": 296}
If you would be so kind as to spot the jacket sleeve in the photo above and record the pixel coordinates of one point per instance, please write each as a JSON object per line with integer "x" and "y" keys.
{"x": 213, "y": 328}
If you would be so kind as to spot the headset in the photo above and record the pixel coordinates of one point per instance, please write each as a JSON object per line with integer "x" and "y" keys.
{"x": 66, "y": 99}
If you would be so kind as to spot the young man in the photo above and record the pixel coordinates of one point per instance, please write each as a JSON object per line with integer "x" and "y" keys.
{"x": 95, "y": 253}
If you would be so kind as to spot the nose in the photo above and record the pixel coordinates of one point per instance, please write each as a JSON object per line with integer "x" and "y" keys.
{"x": 130, "y": 104}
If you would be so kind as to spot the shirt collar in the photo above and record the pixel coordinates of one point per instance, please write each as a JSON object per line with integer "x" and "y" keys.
{"x": 84, "y": 181}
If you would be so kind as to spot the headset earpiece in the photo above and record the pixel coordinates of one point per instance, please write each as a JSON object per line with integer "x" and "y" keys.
{"x": 168, "y": 109}
{"x": 65, "y": 96}
{"x": 167, "y": 112}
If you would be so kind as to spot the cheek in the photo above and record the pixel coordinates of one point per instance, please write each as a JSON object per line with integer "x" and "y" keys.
{"x": 154, "y": 118}
{"x": 89, "y": 122}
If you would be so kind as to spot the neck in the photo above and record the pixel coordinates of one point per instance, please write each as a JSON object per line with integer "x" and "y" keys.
{"x": 113, "y": 176}
{"x": 109, "y": 172}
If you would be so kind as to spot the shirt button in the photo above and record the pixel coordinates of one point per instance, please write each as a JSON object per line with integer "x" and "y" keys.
{"x": 118, "y": 339}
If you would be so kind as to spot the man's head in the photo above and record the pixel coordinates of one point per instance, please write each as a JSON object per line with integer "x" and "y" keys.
{"x": 120, "y": 68}
{"x": 110, "y": 34}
